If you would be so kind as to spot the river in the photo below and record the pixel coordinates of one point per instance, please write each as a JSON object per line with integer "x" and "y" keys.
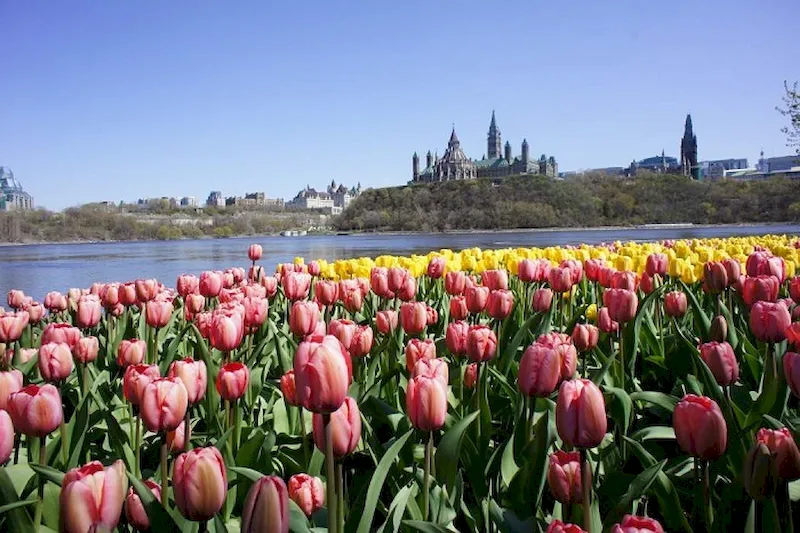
{"x": 37, "y": 269}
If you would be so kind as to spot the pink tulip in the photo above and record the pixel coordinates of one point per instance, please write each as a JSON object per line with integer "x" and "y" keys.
{"x": 163, "y": 404}
{"x": 637, "y": 524}
{"x": 481, "y": 344}
{"x": 55, "y": 302}
{"x": 266, "y": 508}
{"x": 675, "y": 304}
{"x": 210, "y": 283}
{"x": 346, "y": 429}
{"x": 426, "y": 402}
{"x": 585, "y": 337}
{"x": 352, "y": 297}
{"x": 581, "y": 413}
{"x": 131, "y": 352}
{"x": 194, "y": 376}
{"x": 296, "y": 285}
{"x": 783, "y": 447}
{"x": 495, "y": 279}
{"x": 289, "y": 388}
{"x": 227, "y": 330}
{"x": 413, "y": 317}
{"x": 471, "y": 375}
{"x": 657, "y": 264}
{"x": 477, "y": 298}
{"x": 10, "y": 382}
{"x": 700, "y": 428}
{"x": 36, "y": 411}
{"x": 86, "y": 350}
{"x": 386, "y": 321}
{"x": 768, "y": 321}
{"x": 560, "y": 279}
{"x": 557, "y": 526}
{"x": 624, "y": 279}
{"x": 55, "y": 361}
{"x": 303, "y": 318}
{"x": 91, "y": 497}
{"x": 379, "y": 282}
{"x": 397, "y": 277}
{"x": 12, "y": 325}
{"x": 542, "y": 300}
{"x": 343, "y": 329}
{"x": 436, "y": 267}
{"x": 458, "y": 308}
{"x": 715, "y": 277}
{"x": 232, "y": 381}
{"x": 417, "y": 350}
{"x": 254, "y": 252}
{"x": 456, "y": 337}
{"x": 562, "y": 344}
{"x": 621, "y": 303}
{"x": 16, "y": 299}
{"x": 564, "y": 476}
{"x": 136, "y": 379}
{"x": 327, "y": 292}
{"x": 158, "y": 313}
{"x": 307, "y": 492}
{"x": 604, "y": 321}
{"x": 256, "y": 310}
{"x": 146, "y": 289}
{"x": 323, "y": 372}
{"x": 433, "y": 368}
{"x": 455, "y": 282}
{"x": 539, "y": 371}
{"x": 361, "y": 344}
{"x": 593, "y": 268}
{"x": 134, "y": 509}
{"x": 187, "y": 284}
{"x": 760, "y": 288}
{"x": 6, "y": 437}
{"x": 764, "y": 263}
{"x": 60, "y": 332}
{"x": 500, "y": 303}
{"x": 200, "y": 483}
{"x": 721, "y": 361}
{"x": 35, "y": 312}
{"x": 127, "y": 294}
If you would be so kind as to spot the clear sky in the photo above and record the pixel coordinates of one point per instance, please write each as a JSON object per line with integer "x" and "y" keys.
{"x": 116, "y": 100}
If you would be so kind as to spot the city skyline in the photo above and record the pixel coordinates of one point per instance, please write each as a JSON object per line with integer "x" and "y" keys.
{"x": 177, "y": 100}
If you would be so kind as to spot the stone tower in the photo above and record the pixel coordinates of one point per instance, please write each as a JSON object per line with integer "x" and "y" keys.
{"x": 525, "y": 151}
{"x": 493, "y": 143}
{"x": 689, "y": 149}
{"x": 428, "y": 160}
{"x": 507, "y": 151}
{"x": 415, "y": 165}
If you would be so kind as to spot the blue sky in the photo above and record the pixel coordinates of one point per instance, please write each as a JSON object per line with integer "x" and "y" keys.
{"x": 111, "y": 100}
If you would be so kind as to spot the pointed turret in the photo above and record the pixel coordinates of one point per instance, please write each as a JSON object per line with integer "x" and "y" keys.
{"x": 453, "y": 139}
{"x": 507, "y": 150}
{"x": 689, "y": 148}
{"x": 428, "y": 159}
{"x": 493, "y": 142}
{"x": 415, "y": 167}
{"x": 525, "y": 151}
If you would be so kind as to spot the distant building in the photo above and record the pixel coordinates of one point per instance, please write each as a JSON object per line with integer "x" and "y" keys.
{"x": 768, "y": 167}
{"x": 215, "y": 199}
{"x": 497, "y": 162}
{"x": 689, "y": 150}
{"x": 12, "y": 196}
{"x": 342, "y": 196}
{"x": 716, "y": 169}
{"x": 310, "y": 198}
{"x": 660, "y": 164}
{"x": 188, "y": 201}
{"x": 776, "y": 164}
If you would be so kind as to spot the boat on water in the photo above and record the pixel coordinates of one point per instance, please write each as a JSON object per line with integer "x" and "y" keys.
{"x": 294, "y": 233}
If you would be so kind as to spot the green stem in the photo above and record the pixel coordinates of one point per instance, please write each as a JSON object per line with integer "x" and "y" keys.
{"x": 237, "y": 427}
{"x": 228, "y": 440}
{"x": 138, "y": 443}
{"x": 64, "y": 445}
{"x": 187, "y": 432}
{"x": 37, "y": 518}
{"x": 203, "y": 527}
{"x": 708, "y": 513}
{"x": 303, "y": 436}
{"x": 164, "y": 475}
{"x": 340, "y": 489}
{"x": 478, "y": 391}
{"x": 586, "y": 486}
{"x": 331, "y": 475}
{"x": 426, "y": 489}
{"x": 788, "y": 506}
{"x": 85, "y": 379}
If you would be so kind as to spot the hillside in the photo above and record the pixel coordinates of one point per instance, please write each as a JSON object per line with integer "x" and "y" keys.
{"x": 586, "y": 201}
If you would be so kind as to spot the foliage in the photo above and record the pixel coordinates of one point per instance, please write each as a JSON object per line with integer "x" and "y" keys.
{"x": 791, "y": 101}
{"x": 584, "y": 201}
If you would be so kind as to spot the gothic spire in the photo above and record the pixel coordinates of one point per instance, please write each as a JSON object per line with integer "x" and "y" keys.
{"x": 493, "y": 124}
{"x": 453, "y": 138}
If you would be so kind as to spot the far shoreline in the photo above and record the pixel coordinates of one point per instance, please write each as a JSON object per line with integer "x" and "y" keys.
{"x": 564, "y": 229}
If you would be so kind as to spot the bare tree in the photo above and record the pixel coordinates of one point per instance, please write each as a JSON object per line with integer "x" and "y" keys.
{"x": 791, "y": 101}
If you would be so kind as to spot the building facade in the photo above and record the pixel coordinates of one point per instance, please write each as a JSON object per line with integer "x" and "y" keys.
{"x": 497, "y": 162}
{"x": 342, "y": 196}
{"x": 12, "y": 196}
{"x": 716, "y": 169}
{"x": 689, "y": 164}
{"x": 215, "y": 199}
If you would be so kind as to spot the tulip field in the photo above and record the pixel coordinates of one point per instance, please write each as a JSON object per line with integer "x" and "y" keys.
{"x": 622, "y": 387}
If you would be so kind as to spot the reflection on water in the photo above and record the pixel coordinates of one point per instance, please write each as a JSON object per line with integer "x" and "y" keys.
{"x": 37, "y": 269}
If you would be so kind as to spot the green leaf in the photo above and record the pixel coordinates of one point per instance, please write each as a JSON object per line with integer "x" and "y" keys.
{"x": 509, "y": 522}
{"x": 660, "y": 399}
{"x": 48, "y": 473}
{"x": 654, "y": 432}
{"x": 160, "y": 519}
{"x": 16, "y": 505}
{"x": 638, "y": 488}
{"x": 699, "y": 313}
{"x": 449, "y": 451}
{"x": 248, "y": 473}
{"x": 377, "y": 480}
{"x": 298, "y": 523}
{"x": 426, "y": 527}
{"x": 620, "y": 407}
{"x": 397, "y": 509}
{"x": 16, "y": 518}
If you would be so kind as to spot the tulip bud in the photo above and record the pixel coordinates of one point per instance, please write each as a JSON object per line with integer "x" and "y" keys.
{"x": 6, "y": 437}
{"x": 564, "y": 477}
{"x": 542, "y": 300}
{"x": 791, "y": 370}
{"x": 458, "y": 308}
{"x": 637, "y": 524}
{"x": 60, "y": 332}
{"x": 200, "y": 483}
{"x": 232, "y": 381}
{"x": 426, "y": 402}
{"x": 288, "y": 388}
{"x": 193, "y": 375}
{"x": 16, "y": 299}
{"x": 352, "y": 298}
{"x": 254, "y": 252}
{"x": 719, "y": 329}
{"x": 35, "y": 312}
{"x": 12, "y": 325}
{"x": 386, "y": 321}
{"x": 346, "y": 429}
{"x": 768, "y": 321}
{"x": 585, "y": 337}
{"x": 495, "y": 279}
{"x": 481, "y": 344}
{"x": 146, "y": 289}
{"x": 303, "y": 317}
{"x": 675, "y": 304}
{"x": 700, "y": 428}
{"x": 187, "y": 284}
{"x": 436, "y": 267}
{"x": 134, "y": 509}
{"x": 296, "y": 285}
{"x": 656, "y": 265}
{"x": 455, "y": 282}
{"x": 10, "y": 382}
{"x": 760, "y": 472}
{"x": 715, "y": 277}
{"x": 604, "y": 321}
{"x": 266, "y": 508}
{"x": 227, "y": 330}
{"x": 500, "y": 303}
{"x": 91, "y": 497}
{"x": 557, "y": 526}
{"x": 721, "y": 361}
{"x": 177, "y": 438}
{"x": 210, "y": 283}
{"x": 760, "y": 288}
{"x": 783, "y": 447}
{"x": 323, "y": 372}
{"x": 379, "y": 282}
{"x": 477, "y": 298}
{"x": 539, "y": 371}
{"x": 417, "y": 350}
{"x": 342, "y": 329}
{"x": 581, "y": 413}
{"x": 163, "y": 404}
{"x": 55, "y": 361}
{"x": 648, "y": 284}
{"x": 621, "y": 304}
{"x": 327, "y": 292}
{"x": 560, "y": 279}
{"x": 36, "y": 411}
{"x": 55, "y": 302}
{"x": 456, "y": 337}
{"x": 131, "y": 352}
{"x": 413, "y": 317}
{"x": 361, "y": 344}
{"x": 562, "y": 344}
{"x": 575, "y": 269}
{"x": 307, "y": 492}
{"x": 471, "y": 375}
{"x": 158, "y": 313}
{"x": 86, "y": 350}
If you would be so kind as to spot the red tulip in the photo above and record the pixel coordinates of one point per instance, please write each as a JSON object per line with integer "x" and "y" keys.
{"x": 760, "y": 288}
{"x": 303, "y": 317}
{"x": 623, "y": 279}
{"x": 782, "y": 445}
{"x": 55, "y": 302}
{"x": 200, "y": 483}
{"x": 471, "y": 375}
{"x": 187, "y": 284}
{"x": 575, "y": 268}
{"x": 436, "y": 267}
{"x": 715, "y": 277}
{"x": 362, "y": 341}
{"x": 12, "y": 325}
{"x": 289, "y": 388}
{"x": 721, "y": 361}
{"x": 500, "y": 303}
{"x": 55, "y": 361}
{"x": 6, "y": 437}
{"x": 637, "y": 524}
{"x": 764, "y": 263}
{"x": 210, "y": 283}
{"x": 413, "y": 317}
{"x": 307, "y": 492}
{"x": 136, "y": 379}
{"x": 675, "y": 304}
{"x": 481, "y": 344}
{"x": 477, "y": 298}
{"x": 10, "y": 382}
{"x": 581, "y": 413}
{"x": 86, "y": 350}
{"x": 593, "y": 268}
{"x": 768, "y": 321}
{"x": 379, "y": 282}
{"x": 495, "y": 279}
{"x": 539, "y": 371}
{"x": 700, "y": 428}
{"x": 657, "y": 265}
{"x": 621, "y": 303}
{"x": 131, "y": 352}
{"x": 227, "y": 330}
{"x": 564, "y": 477}
{"x": 560, "y": 279}
{"x": 562, "y": 344}
{"x": 557, "y": 526}
{"x": 194, "y": 376}
{"x": 91, "y": 497}
{"x": 36, "y": 411}
{"x": 732, "y": 268}
{"x": 346, "y": 422}
{"x": 458, "y": 308}
{"x": 542, "y": 300}
{"x": 163, "y": 404}
{"x": 456, "y": 337}
{"x": 604, "y": 321}
{"x": 134, "y": 509}
{"x": 158, "y": 313}
{"x": 146, "y": 289}
{"x": 426, "y": 402}
{"x": 585, "y": 337}
{"x": 323, "y": 372}
{"x": 343, "y": 329}
{"x": 455, "y": 282}
{"x": 433, "y": 368}
{"x": 417, "y": 349}
{"x": 232, "y": 381}
{"x": 327, "y": 292}
{"x": 386, "y": 321}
